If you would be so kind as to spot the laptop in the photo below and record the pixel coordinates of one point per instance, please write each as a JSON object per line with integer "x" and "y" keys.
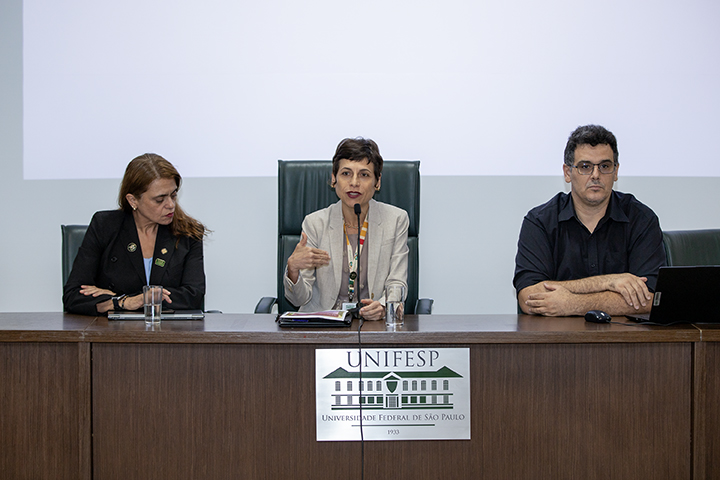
{"x": 685, "y": 295}
{"x": 164, "y": 315}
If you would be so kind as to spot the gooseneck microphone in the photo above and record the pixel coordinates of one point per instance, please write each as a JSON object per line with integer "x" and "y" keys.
{"x": 358, "y": 211}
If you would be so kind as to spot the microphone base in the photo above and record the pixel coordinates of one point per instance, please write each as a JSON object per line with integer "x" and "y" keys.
{"x": 355, "y": 312}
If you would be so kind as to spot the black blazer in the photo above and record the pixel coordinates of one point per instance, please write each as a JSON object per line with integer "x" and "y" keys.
{"x": 110, "y": 257}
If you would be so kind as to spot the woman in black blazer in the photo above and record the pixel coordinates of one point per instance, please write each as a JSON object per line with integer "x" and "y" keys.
{"x": 148, "y": 241}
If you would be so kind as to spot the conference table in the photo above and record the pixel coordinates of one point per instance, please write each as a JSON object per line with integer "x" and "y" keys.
{"x": 233, "y": 396}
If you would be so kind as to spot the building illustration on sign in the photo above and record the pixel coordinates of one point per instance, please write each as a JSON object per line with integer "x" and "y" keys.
{"x": 392, "y": 390}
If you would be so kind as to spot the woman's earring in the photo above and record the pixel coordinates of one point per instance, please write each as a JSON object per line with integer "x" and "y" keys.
{"x": 377, "y": 188}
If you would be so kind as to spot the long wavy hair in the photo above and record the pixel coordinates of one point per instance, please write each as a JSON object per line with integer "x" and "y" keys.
{"x": 144, "y": 170}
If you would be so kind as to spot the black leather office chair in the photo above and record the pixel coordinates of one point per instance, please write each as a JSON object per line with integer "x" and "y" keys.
{"x": 72, "y": 237}
{"x": 692, "y": 247}
{"x": 304, "y": 187}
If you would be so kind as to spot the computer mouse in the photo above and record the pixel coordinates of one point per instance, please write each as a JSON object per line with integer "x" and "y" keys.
{"x": 597, "y": 316}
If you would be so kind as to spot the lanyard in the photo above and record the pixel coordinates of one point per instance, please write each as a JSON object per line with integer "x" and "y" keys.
{"x": 354, "y": 258}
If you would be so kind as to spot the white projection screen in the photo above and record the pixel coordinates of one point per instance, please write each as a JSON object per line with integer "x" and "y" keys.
{"x": 469, "y": 87}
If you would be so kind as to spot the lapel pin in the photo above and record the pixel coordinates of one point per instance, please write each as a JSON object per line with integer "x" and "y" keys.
{"x": 131, "y": 247}
{"x": 163, "y": 251}
{"x": 159, "y": 262}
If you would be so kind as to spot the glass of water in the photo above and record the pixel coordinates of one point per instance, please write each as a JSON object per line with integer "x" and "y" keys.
{"x": 152, "y": 298}
{"x": 395, "y": 296}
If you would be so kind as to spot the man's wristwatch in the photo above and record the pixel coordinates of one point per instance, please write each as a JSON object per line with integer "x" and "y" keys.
{"x": 116, "y": 302}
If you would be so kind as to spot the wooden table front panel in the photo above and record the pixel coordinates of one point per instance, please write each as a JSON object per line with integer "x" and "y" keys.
{"x": 558, "y": 411}
{"x": 45, "y": 405}
{"x": 709, "y": 414}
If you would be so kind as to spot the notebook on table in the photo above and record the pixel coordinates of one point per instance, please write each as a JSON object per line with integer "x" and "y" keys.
{"x": 164, "y": 315}
{"x": 685, "y": 295}
{"x": 328, "y": 318}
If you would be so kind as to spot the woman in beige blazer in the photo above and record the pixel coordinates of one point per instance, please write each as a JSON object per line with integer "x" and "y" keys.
{"x": 322, "y": 272}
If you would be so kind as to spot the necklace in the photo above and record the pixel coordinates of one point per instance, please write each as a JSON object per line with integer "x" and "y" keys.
{"x": 347, "y": 225}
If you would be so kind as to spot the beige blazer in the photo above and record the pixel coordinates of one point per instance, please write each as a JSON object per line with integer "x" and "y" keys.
{"x": 317, "y": 289}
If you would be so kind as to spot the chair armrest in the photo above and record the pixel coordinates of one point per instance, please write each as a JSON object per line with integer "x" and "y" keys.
{"x": 424, "y": 306}
{"x": 265, "y": 305}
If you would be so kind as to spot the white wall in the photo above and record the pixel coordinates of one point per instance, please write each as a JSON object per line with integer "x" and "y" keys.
{"x": 468, "y": 227}
{"x": 235, "y": 81}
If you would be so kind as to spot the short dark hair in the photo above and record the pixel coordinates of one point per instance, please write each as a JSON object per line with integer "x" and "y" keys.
{"x": 358, "y": 149}
{"x": 592, "y": 135}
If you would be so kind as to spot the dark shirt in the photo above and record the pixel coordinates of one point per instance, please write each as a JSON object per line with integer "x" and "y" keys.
{"x": 555, "y": 245}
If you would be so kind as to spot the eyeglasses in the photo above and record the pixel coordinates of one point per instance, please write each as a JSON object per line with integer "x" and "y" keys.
{"x": 587, "y": 168}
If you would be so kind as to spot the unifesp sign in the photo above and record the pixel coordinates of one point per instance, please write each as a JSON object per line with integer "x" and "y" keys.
{"x": 404, "y": 394}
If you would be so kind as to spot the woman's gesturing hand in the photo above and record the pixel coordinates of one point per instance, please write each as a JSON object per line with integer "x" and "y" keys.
{"x": 305, "y": 257}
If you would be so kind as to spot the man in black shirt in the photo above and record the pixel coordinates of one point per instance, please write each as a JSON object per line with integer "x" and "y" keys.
{"x": 592, "y": 249}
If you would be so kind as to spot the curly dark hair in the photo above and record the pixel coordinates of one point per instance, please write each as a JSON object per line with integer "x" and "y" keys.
{"x": 592, "y": 135}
